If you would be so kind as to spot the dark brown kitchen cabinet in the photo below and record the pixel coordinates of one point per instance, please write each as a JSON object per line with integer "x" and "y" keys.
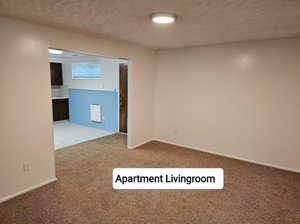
{"x": 56, "y": 74}
{"x": 60, "y": 108}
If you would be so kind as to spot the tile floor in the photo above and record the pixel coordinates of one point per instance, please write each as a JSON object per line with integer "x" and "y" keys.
{"x": 67, "y": 133}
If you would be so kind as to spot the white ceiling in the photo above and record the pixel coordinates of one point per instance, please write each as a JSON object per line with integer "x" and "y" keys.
{"x": 200, "y": 22}
{"x": 72, "y": 54}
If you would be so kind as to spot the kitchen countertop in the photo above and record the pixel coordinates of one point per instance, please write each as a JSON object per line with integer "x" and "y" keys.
{"x": 59, "y": 97}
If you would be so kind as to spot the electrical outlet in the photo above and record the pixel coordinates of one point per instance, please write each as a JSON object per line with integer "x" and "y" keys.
{"x": 26, "y": 167}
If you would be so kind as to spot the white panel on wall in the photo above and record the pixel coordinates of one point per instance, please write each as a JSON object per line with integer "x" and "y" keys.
{"x": 95, "y": 112}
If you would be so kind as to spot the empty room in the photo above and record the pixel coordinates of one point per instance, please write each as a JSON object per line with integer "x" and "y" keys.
{"x": 163, "y": 111}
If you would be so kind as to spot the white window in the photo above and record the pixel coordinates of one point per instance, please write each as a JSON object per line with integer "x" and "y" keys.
{"x": 86, "y": 70}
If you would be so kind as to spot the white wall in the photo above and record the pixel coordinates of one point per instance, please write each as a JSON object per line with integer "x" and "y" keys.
{"x": 239, "y": 99}
{"x": 108, "y": 81}
{"x": 26, "y": 116}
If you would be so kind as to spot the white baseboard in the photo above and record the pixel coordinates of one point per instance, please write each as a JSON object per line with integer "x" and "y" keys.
{"x": 137, "y": 145}
{"x": 6, "y": 198}
{"x": 229, "y": 156}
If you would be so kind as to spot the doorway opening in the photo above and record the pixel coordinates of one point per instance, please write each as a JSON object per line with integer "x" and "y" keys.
{"x": 89, "y": 96}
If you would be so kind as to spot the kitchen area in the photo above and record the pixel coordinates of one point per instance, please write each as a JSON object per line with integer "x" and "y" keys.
{"x": 60, "y": 99}
{"x": 85, "y": 96}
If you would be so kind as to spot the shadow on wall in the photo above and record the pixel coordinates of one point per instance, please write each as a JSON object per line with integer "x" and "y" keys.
{"x": 79, "y": 105}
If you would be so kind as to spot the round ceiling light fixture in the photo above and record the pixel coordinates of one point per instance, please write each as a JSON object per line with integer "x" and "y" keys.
{"x": 163, "y": 17}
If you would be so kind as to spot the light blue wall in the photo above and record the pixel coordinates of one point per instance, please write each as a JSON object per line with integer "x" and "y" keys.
{"x": 79, "y": 106}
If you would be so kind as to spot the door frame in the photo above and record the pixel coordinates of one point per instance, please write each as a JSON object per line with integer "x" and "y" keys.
{"x": 119, "y": 97}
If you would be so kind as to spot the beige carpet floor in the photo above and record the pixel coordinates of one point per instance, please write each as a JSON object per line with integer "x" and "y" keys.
{"x": 83, "y": 193}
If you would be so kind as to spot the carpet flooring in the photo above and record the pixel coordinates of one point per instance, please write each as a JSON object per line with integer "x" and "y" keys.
{"x": 84, "y": 194}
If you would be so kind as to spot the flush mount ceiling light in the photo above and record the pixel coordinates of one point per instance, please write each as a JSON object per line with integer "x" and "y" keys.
{"x": 163, "y": 17}
{"x": 54, "y": 51}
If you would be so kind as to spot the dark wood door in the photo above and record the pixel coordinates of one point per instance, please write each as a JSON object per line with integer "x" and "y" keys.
{"x": 60, "y": 108}
{"x": 123, "y": 85}
{"x": 56, "y": 74}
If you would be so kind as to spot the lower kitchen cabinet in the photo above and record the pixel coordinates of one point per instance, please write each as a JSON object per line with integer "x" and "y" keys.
{"x": 60, "y": 108}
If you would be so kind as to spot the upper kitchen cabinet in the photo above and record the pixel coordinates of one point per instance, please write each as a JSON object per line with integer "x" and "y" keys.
{"x": 56, "y": 74}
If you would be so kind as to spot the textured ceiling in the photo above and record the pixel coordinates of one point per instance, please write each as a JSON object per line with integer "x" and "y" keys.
{"x": 200, "y": 22}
